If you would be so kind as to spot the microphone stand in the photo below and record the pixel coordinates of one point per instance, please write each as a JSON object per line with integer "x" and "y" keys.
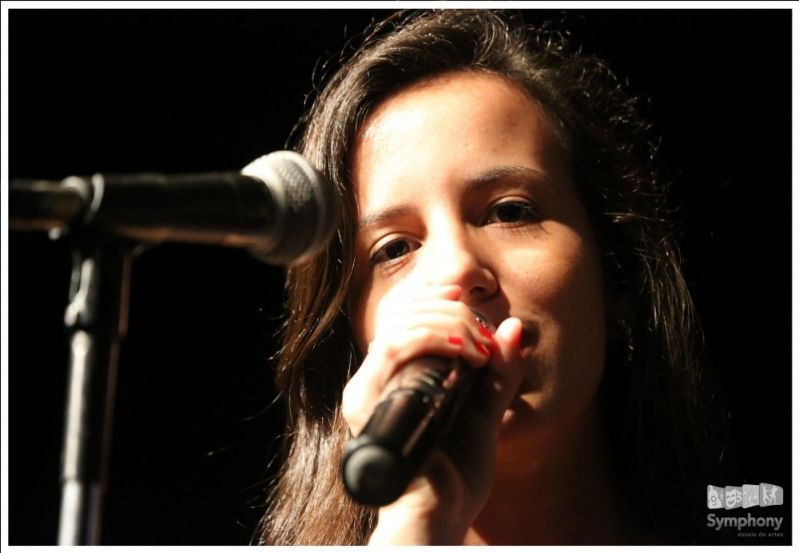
{"x": 248, "y": 209}
{"x": 96, "y": 322}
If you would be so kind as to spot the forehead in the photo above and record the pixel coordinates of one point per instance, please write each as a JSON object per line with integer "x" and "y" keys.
{"x": 446, "y": 127}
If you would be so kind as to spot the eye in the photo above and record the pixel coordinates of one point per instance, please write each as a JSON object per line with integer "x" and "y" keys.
{"x": 515, "y": 211}
{"x": 393, "y": 250}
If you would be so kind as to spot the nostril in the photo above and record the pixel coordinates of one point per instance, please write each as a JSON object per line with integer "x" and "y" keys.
{"x": 484, "y": 285}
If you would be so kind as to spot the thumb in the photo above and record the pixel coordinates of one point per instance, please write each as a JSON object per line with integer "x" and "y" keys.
{"x": 505, "y": 374}
{"x": 509, "y": 337}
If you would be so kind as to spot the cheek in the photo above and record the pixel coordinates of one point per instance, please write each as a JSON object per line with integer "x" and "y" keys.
{"x": 584, "y": 330}
{"x": 362, "y": 320}
{"x": 365, "y": 296}
{"x": 577, "y": 295}
{"x": 564, "y": 279}
{"x": 569, "y": 307}
{"x": 364, "y": 312}
{"x": 376, "y": 303}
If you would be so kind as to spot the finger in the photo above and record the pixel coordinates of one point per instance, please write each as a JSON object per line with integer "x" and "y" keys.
{"x": 408, "y": 294}
{"x": 478, "y": 341}
{"x": 448, "y": 291}
{"x": 394, "y": 314}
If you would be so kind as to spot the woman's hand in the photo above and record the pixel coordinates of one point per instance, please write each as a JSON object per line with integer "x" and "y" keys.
{"x": 452, "y": 487}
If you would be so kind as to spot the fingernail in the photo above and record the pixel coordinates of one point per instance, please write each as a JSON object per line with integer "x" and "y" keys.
{"x": 457, "y": 340}
{"x": 482, "y": 349}
{"x": 485, "y": 332}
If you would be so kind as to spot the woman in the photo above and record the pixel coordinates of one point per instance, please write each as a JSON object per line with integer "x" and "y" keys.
{"x": 484, "y": 166}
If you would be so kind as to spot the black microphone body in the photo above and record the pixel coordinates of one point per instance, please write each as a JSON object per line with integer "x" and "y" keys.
{"x": 278, "y": 207}
{"x": 426, "y": 397}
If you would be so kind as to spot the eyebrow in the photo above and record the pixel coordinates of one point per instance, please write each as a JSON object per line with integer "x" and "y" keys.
{"x": 494, "y": 174}
{"x": 377, "y": 219}
{"x": 481, "y": 180}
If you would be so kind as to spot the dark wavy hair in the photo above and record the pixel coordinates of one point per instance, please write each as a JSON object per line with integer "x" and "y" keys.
{"x": 651, "y": 396}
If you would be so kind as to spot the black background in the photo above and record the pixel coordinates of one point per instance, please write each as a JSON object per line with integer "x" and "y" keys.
{"x": 179, "y": 91}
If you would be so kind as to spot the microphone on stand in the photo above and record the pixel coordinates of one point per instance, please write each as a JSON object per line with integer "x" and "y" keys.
{"x": 278, "y": 207}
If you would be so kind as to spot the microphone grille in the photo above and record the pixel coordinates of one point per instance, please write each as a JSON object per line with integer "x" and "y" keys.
{"x": 300, "y": 189}
{"x": 305, "y": 208}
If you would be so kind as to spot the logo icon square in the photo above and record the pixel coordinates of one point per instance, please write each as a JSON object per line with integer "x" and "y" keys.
{"x": 733, "y": 497}
{"x": 770, "y": 494}
{"x": 715, "y": 497}
{"x": 751, "y": 495}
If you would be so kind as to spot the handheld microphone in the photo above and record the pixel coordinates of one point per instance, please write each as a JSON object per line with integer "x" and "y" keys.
{"x": 426, "y": 396}
{"x": 278, "y": 207}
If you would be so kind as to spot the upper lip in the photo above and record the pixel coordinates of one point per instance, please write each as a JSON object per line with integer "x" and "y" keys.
{"x": 484, "y": 320}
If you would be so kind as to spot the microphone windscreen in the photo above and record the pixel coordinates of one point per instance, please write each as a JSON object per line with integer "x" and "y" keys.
{"x": 305, "y": 208}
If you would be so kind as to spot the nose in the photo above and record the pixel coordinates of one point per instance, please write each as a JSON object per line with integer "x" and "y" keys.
{"x": 458, "y": 258}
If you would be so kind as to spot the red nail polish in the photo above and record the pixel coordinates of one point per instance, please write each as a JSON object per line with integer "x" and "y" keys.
{"x": 457, "y": 340}
{"x": 482, "y": 349}
{"x": 485, "y": 331}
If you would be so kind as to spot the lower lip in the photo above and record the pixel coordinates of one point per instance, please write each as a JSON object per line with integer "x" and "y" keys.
{"x": 529, "y": 337}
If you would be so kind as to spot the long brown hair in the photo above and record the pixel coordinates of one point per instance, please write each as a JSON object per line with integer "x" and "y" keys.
{"x": 651, "y": 394}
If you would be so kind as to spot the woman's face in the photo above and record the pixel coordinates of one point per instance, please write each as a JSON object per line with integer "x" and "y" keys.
{"x": 459, "y": 180}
